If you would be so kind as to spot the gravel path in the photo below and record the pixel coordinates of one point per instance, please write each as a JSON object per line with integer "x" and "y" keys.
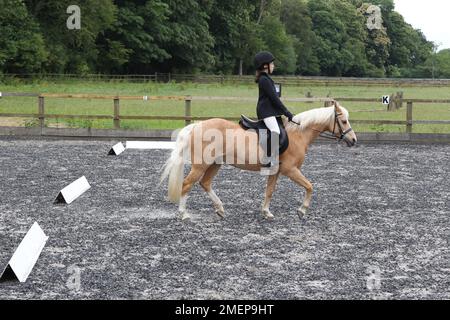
{"x": 379, "y": 226}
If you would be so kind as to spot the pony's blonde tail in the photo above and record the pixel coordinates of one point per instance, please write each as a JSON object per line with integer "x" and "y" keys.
{"x": 174, "y": 166}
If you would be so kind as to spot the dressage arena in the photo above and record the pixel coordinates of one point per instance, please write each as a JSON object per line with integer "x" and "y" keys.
{"x": 378, "y": 228}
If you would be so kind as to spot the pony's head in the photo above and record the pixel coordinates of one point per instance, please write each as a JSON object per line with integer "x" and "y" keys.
{"x": 334, "y": 120}
{"x": 340, "y": 125}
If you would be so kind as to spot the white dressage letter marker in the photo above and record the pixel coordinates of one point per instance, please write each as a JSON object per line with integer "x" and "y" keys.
{"x": 73, "y": 191}
{"x": 386, "y": 99}
{"x": 117, "y": 149}
{"x": 149, "y": 145}
{"x": 27, "y": 254}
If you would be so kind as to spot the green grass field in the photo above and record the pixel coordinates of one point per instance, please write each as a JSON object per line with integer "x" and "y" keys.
{"x": 358, "y": 110}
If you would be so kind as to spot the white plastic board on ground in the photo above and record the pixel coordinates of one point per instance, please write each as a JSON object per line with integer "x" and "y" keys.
{"x": 148, "y": 145}
{"x": 27, "y": 253}
{"x": 74, "y": 190}
{"x": 117, "y": 149}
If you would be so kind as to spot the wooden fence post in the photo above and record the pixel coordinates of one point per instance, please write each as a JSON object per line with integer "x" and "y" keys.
{"x": 409, "y": 117}
{"x": 187, "y": 111}
{"x": 391, "y": 102}
{"x": 309, "y": 96}
{"x": 327, "y": 104}
{"x": 116, "y": 113}
{"x": 41, "y": 112}
{"x": 391, "y": 105}
{"x": 399, "y": 103}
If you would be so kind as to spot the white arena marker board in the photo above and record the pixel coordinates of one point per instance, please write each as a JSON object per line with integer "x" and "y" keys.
{"x": 117, "y": 149}
{"x": 27, "y": 254}
{"x": 73, "y": 191}
{"x": 149, "y": 145}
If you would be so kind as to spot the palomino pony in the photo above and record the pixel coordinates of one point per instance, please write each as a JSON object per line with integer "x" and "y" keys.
{"x": 204, "y": 145}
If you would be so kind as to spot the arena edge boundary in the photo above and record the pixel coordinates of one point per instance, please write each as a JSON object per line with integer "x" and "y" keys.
{"x": 165, "y": 135}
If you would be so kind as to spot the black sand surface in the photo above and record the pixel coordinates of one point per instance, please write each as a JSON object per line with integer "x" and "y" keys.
{"x": 376, "y": 208}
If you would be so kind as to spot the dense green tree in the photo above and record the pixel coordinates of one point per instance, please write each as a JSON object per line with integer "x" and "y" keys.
{"x": 242, "y": 28}
{"x": 297, "y": 21}
{"x": 331, "y": 35}
{"x": 72, "y": 50}
{"x": 386, "y": 6}
{"x": 236, "y": 35}
{"x": 136, "y": 39}
{"x": 22, "y": 48}
{"x": 272, "y": 35}
{"x": 280, "y": 44}
{"x": 353, "y": 47}
{"x": 398, "y": 45}
{"x": 439, "y": 65}
{"x": 377, "y": 46}
{"x": 409, "y": 48}
{"x": 191, "y": 43}
{"x": 310, "y": 37}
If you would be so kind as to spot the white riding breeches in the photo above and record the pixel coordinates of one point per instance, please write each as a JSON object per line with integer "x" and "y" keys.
{"x": 272, "y": 124}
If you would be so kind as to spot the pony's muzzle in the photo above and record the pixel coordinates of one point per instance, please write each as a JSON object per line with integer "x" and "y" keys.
{"x": 351, "y": 142}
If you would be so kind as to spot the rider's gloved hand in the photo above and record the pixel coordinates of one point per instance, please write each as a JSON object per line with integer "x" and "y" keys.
{"x": 290, "y": 116}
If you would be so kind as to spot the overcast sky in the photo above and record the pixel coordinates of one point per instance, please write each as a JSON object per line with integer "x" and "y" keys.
{"x": 430, "y": 16}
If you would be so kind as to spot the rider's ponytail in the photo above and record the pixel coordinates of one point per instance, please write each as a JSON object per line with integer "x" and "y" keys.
{"x": 259, "y": 72}
{"x": 258, "y": 75}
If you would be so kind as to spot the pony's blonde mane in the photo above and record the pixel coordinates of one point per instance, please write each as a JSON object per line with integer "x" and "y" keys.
{"x": 314, "y": 117}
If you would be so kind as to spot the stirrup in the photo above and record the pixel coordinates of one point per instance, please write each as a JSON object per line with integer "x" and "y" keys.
{"x": 270, "y": 165}
{"x": 269, "y": 169}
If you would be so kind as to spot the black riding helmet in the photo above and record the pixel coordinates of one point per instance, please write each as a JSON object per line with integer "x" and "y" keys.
{"x": 262, "y": 58}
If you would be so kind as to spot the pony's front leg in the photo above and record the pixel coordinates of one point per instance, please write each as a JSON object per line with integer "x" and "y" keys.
{"x": 271, "y": 183}
{"x": 296, "y": 176}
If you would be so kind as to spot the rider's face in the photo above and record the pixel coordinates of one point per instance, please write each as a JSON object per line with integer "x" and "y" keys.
{"x": 271, "y": 67}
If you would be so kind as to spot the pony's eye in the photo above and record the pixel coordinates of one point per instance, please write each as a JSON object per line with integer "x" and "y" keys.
{"x": 344, "y": 122}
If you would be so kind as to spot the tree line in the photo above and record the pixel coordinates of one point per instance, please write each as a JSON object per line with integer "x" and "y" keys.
{"x": 316, "y": 37}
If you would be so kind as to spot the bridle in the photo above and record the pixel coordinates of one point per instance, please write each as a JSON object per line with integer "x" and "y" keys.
{"x": 331, "y": 135}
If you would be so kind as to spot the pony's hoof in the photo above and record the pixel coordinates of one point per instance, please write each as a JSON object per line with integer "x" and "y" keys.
{"x": 220, "y": 212}
{"x": 268, "y": 215}
{"x": 302, "y": 212}
{"x": 185, "y": 217}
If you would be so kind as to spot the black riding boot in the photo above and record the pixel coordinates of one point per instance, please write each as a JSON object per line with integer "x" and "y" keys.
{"x": 270, "y": 160}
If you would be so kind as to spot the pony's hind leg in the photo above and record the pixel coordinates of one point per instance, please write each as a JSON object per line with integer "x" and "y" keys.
{"x": 206, "y": 183}
{"x": 296, "y": 176}
{"x": 271, "y": 183}
{"x": 193, "y": 177}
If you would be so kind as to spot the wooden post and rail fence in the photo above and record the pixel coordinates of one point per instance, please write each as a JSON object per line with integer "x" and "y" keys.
{"x": 205, "y": 78}
{"x": 396, "y": 102}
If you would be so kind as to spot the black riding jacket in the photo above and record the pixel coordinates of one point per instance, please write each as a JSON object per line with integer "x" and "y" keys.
{"x": 269, "y": 104}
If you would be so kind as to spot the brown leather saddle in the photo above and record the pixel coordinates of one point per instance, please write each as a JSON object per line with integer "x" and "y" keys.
{"x": 249, "y": 124}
